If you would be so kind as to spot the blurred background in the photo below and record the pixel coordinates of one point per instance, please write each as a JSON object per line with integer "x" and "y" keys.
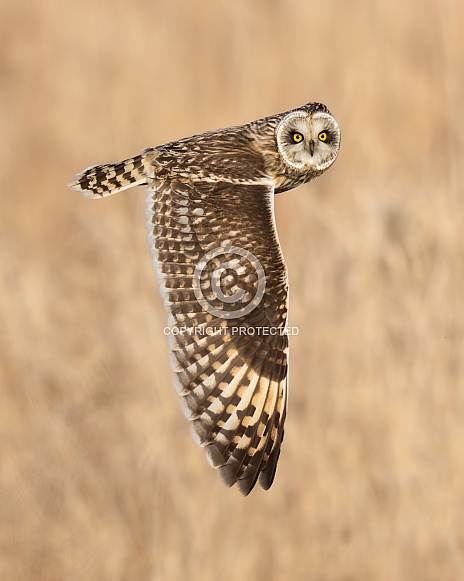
{"x": 99, "y": 477}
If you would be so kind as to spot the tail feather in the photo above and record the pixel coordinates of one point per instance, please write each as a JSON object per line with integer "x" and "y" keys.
{"x": 99, "y": 181}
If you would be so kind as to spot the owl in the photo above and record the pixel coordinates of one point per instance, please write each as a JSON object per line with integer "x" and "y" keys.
{"x": 222, "y": 276}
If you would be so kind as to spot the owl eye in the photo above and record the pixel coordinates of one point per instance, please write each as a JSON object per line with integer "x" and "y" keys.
{"x": 297, "y": 137}
{"x": 322, "y": 136}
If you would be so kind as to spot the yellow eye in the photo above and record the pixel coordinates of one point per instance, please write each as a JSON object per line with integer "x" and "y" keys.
{"x": 322, "y": 136}
{"x": 297, "y": 137}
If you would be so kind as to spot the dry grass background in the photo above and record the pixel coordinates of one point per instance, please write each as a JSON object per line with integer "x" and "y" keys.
{"x": 99, "y": 479}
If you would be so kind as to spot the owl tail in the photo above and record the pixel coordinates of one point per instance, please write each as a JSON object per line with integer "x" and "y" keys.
{"x": 100, "y": 181}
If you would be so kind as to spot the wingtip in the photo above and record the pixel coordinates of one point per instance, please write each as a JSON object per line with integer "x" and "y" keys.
{"x": 245, "y": 486}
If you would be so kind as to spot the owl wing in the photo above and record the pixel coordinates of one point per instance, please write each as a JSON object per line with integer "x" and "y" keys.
{"x": 213, "y": 245}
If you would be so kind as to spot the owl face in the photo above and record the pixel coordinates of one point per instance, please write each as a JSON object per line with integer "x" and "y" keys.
{"x": 308, "y": 141}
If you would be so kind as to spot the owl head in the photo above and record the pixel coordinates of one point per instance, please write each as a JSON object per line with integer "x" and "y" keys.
{"x": 308, "y": 139}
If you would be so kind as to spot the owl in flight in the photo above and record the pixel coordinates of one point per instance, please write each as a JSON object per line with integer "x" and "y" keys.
{"x": 213, "y": 238}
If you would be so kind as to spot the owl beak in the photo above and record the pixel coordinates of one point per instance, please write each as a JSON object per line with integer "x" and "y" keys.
{"x": 311, "y": 147}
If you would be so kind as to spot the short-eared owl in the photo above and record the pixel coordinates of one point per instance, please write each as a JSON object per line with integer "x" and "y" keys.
{"x": 222, "y": 276}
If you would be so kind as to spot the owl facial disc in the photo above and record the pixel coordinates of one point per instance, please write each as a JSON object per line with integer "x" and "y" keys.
{"x": 308, "y": 141}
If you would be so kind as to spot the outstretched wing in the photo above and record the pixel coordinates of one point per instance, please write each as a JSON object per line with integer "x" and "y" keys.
{"x": 224, "y": 283}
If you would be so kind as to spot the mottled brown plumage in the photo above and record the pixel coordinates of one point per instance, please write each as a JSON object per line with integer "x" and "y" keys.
{"x": 222, "y": 275}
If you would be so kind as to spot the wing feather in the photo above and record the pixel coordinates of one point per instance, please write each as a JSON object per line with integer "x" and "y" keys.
{"x": 231, "y": 377}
